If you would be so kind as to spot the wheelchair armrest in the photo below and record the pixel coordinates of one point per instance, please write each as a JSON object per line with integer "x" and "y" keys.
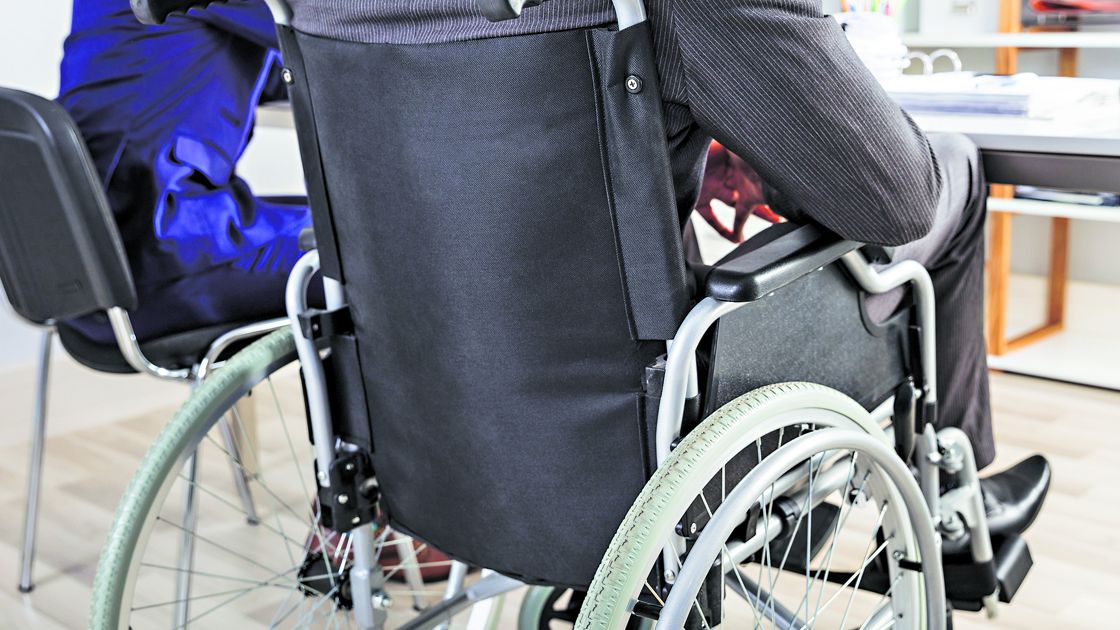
{"x": 878, "y": 254}
{"x": 307, "y": 240}
{"x": 754, "y": 273}
{"x": 500, "y": 10}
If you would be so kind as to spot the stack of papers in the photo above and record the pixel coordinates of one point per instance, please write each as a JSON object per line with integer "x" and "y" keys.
{"x": 1066, "y": 196}
{"x": 1021, "y": 95}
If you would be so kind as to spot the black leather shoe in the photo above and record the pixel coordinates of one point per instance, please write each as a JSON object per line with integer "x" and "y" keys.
{"x": 1012, "y": 500}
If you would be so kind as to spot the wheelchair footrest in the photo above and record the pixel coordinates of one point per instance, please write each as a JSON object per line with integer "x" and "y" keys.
{"x": 967, "y": 583}
{"x": 1013, "y": 562}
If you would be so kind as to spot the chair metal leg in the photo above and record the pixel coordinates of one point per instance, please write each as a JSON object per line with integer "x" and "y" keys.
{"x": 455, "y": 582}
{"x": 367, "y": 582}
{"x": 35, "y": 467}
{"x": 186, "y": 544}
{"x": 485, "y": 614}
{"x": 237, "y": 468}
{"x": 410, "y": 567}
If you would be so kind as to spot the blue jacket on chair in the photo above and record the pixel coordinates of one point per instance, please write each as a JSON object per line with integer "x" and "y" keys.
{"x": 167, "y": 111}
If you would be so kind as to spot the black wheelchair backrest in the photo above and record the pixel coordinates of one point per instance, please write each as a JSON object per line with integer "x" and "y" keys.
{"x": 501, "y": 215}
{"x": 60, "y": 252}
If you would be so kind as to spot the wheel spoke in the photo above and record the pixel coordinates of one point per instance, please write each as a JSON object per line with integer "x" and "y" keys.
{"x": 259, "y": 476}
{"x": 879, "y": 603}
{"x": 653, "y": 592}
{"x": 792, "y": 536}
{"x": 840, "y": 521}
{"x": 258, "y": 585}
{"x": 204, "y": 574}
{"x": 854, "y": 578}
{"x": 210, "y": 541}
{"x": 277, "y": 618}
{"x": 275, "y": 497}
{"x": 327, "y": 597}
{"x": 859, "y": 578}
{"x": 224, "y": 501}
{"x": 317, "y": 531}
{"x": 767, "y": 558}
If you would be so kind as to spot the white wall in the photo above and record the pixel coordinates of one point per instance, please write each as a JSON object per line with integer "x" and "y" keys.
{"x": 31, "y": 35}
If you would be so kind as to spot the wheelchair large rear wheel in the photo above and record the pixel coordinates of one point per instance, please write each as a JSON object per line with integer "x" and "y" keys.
{"x": 556, "y": 608}
{"x": 827, "y": 530}
{"x": 286, "y": 570}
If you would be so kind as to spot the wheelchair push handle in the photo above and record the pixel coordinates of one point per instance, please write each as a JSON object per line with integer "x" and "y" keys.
{"x": 628, "y": 12}
{"x": 156, "y": 11}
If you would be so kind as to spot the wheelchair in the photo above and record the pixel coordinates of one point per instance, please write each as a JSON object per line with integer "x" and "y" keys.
{"x": 515, "y": 366}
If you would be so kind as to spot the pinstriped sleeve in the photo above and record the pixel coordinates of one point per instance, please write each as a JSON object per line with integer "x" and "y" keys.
{"x": 778, "y": 83}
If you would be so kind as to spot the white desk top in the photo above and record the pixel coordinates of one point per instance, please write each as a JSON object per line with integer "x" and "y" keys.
{"x": 1081, "y": 39}
{"x": 1100, "y": 137}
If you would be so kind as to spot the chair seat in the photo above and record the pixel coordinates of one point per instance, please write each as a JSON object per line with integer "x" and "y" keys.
{"x": 180, "y": 350}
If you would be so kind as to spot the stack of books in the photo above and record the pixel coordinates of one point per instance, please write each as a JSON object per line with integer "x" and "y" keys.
{"x": 1021, "y": 95}
{"x": 1070, "y": 13}
{"x": 1100, "y": 200}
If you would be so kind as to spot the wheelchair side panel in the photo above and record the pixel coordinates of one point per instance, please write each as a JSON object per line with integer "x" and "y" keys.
{"x": 813, "y": 330}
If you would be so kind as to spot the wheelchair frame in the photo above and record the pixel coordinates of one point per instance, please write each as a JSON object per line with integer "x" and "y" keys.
{"x": 947, "y": 449}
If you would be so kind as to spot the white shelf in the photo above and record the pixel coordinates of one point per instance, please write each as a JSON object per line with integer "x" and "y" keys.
{"x": 1083, "y": 352}
{"x": 1054, "y": 209}
{"x": 275, "y": 115}
{"x": 1014, "y": 40}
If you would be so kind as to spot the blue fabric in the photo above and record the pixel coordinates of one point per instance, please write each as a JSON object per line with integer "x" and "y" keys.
{"x": 167, "y": 112}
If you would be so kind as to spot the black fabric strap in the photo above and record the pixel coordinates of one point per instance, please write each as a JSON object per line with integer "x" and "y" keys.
{"x": 307, "y": 133}
{"x": 639, "y": 181}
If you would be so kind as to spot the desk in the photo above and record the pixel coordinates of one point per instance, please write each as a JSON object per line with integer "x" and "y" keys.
{"x": 1047, "y": 153}
{"x": 1073, "y": 154}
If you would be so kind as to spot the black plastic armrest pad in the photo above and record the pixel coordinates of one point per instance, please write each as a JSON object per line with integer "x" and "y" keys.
{"x": 748, "y": 276}
{"x": 156, "y": 11}
{"x": 501, "y": 10}
{"x": 878, "y": 254}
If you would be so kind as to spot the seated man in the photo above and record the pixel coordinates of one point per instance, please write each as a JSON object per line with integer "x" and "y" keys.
{"x": 167, "y": 112}
{"x": 777, "y": 83}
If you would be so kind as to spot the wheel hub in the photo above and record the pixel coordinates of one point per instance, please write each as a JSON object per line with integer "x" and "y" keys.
{"x": 316, "y": 580}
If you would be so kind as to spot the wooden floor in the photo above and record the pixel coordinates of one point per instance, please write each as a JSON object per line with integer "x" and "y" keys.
{"x": 90, "y": 457}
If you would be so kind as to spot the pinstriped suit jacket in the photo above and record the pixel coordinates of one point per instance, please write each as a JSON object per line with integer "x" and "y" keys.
{"x": 775, "y": 81}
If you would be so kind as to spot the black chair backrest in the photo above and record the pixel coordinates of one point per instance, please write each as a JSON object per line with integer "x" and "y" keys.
{"x": 60, "y": 252}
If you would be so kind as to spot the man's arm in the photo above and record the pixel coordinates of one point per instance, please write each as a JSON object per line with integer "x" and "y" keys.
{"x": 776, "y": 82}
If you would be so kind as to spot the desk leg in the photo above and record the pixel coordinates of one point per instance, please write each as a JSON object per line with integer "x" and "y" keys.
{"x": 1055, "y": 287}
{"x": 999, "y": 272}
{"x": 999, "y": 275}
{"x": 1059, "y": 269}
